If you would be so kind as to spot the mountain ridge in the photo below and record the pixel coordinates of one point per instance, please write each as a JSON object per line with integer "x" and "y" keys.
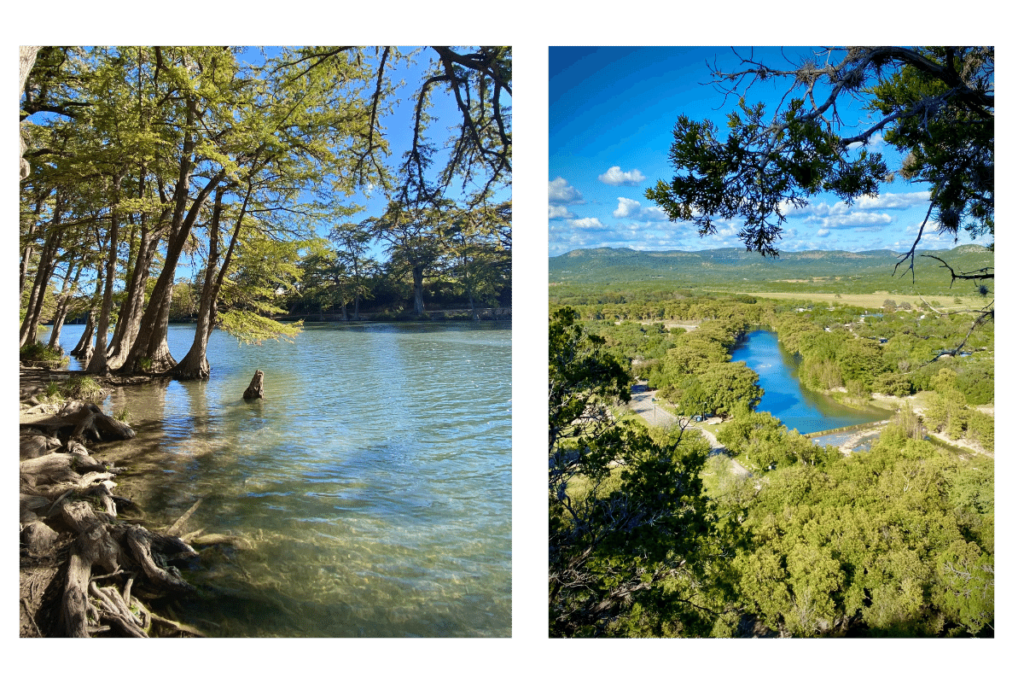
{"x": 737, "y": 267}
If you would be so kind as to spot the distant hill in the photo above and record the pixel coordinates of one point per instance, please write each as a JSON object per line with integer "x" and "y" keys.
{"x": 741, "y": 269}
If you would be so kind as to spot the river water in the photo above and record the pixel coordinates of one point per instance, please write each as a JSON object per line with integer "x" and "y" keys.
{"x": 372, "y": 487}
{"x": 798, "y": 407}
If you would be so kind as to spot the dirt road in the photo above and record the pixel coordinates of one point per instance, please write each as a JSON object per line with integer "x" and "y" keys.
{"x": 644, "y": 404}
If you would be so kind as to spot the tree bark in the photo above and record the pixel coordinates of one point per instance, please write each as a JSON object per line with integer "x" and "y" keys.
{"x": 417, "y": 288}
{"x": 26, "y": 59}
{"x": 255, "y": 389}
{"x": 62, "y": 307}
{"x": 83, "y": 349}
{"x": 30, "y": 227}
{"x": 44, "y": 272}
{"x": 195, "y": 365}
{"x": 98, "y": 363}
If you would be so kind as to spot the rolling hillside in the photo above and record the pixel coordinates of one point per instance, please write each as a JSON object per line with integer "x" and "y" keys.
{"x": 806, "y": 271}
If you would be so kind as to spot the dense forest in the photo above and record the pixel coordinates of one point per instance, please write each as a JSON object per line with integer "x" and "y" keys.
{"x": 218, "y": 185}
{"x": 651, "y": 535}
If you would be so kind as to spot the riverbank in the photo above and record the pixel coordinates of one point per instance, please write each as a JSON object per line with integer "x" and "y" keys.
{"x": 71, "y": 522}
{"x": 437, "y": 316}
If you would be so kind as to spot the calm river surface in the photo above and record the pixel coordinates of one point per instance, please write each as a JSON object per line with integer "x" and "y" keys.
{"x": 374, "y": 482}
{"x": 798, "y": 408}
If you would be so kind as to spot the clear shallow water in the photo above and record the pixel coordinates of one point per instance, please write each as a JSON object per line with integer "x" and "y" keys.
{"x": 798, "y": 408}
{"x": 863, "y": 443}
{"x": 373, "y": 482}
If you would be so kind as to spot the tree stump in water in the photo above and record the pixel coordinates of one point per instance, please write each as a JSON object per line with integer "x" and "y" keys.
{"x": 255, "y": 389}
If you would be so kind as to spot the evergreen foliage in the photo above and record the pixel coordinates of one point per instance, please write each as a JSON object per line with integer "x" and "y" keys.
{"x": 897, "y": 540}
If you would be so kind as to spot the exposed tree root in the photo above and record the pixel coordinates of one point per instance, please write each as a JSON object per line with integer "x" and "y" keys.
{"x": 67, "y": 510}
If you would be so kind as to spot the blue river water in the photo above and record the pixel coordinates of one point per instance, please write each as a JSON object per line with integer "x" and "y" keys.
{"x": 798, "y": 407}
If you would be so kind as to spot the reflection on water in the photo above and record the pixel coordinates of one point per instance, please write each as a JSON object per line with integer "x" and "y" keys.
{"x": 374, "y": 482}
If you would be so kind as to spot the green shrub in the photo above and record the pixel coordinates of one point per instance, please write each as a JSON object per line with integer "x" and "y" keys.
{"x": 40, "y": 352}
{"x": 82, "y": 387}
{"x": 53, "y": 390}
{"x": 977, "y": 383}
{"x": 982, "y": 428}
{"x": 893, "y": 384}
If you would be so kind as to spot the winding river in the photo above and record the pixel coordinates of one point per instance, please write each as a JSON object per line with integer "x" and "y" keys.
{"x": 799, "y": 408}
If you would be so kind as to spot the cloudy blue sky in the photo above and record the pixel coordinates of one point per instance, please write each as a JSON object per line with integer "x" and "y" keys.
{"x": 611, "y": 115}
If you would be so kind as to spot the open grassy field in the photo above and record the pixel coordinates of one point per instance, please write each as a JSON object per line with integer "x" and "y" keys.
{"x": 873, "y": 300}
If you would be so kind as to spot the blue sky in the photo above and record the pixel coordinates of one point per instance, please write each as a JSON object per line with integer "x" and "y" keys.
{"x": 398, "y": 130}
{"x": 611, "y": 115}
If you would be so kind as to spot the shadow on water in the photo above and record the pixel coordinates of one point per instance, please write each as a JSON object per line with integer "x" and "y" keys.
{"x": 369, "y": 493}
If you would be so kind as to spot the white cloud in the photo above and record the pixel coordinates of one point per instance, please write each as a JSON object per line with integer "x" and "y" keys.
{"x": 824, "y": 233}
{"x": 856, "y": 219}
{"x": 654, "y": 213}
{"x": 892, "y": 201}
{"x": 627, "y": 208}
{"x": 585, "y": 223}
{"x": 874, "y": 142}
{"x": 788, "y": 209}
{"x": 557, "y": 213}
{"x": 616, "y": 176}
{"x": 561, "y": 192}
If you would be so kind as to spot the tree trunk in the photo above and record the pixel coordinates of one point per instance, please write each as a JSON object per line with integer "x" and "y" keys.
{"x": 255, "y": 389}
{"x": 198, "y": 367}
{"x": 417, "y": 287}
{"x": 151, "y": 341}
{"x": 131, "y": 311}
{"x": 26, "y": 59}
{"x": 195, "y": 365}
{"x": 62, "y": 308}
{"x": 98, "y": 364}
{"x": 30, "y": 227}
{"x": 47, "y": 262}
{"x": 84, "y": 345}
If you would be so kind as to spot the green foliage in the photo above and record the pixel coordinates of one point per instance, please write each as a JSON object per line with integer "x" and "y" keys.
{"x": 982, "y": 428}
{"x": 819, "y": 544}
{"x": 938, "y": 108}
{"x": 848, "y": 548}
{"x": 946, "y": 411}
{"x": 893, "y": 384}
{"x": 82, "y": 387}
{"x": 966, "y": 587}
{"x": 252, "y": 328}
{"x": 39, "y": 352}
{"x": 629, "y": 525}
{"x": 952, "y": 148}
{"x": 977, "y": 382}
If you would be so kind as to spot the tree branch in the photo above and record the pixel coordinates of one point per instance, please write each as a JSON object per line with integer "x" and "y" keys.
{"x": 980, "y": 274}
